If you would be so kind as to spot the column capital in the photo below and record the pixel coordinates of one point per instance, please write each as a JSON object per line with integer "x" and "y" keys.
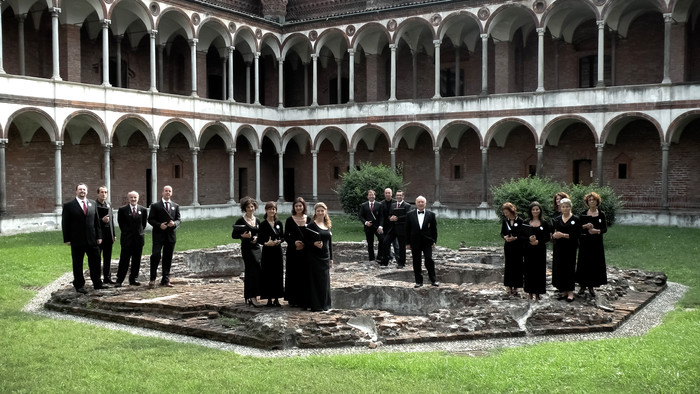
{"x": 437, "y": 43}
{"x": 230, "y": 49}
{"x": 351, "y": 150}
{"x": 314, "y": 152}
{"x": 58, "y": 144}
{"x": 484, "y": 36}
{"x": 55, "y": 11}
{"x": 540, "y": 31}
{"x": 193, "y": 41}
{"x": 601, "y": 24}
{"x": 107, "y": 146}
{"x": 599, "y": 146}
{"x": 436, "y": 149}
{"x": 540, "y": 148}
{"x": 257, "y": 55}
{"x": 392, "y": 150}
{"x": 106, "y": 22}
{"x": 153, "y": 33}
{"x": 194, "y": 150}
{"x": 314, "y": 56}
{"x": 393, "y": 47}
{"x": 668, "y": 18}
{"x": 231, "y": 151}
{"x": 154, "y": 148}
{"x": 257, "y": 152}
{"x": 3, "y": 141}
{"x": 484, "y": 149}
{"x": 280, "y": 154}
{"x": 665, "y": 146}
{"x": 280, "y": 60}
{"x": 352, "y": 51}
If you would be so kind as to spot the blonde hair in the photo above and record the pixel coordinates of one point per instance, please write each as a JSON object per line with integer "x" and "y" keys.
{"x": 326, "y": 218}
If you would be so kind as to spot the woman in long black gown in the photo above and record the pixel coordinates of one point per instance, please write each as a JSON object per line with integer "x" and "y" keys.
{"x": 535, "y": 252}
{"x": 512, "y": 249}
{"x": 246, "y": 229}
{"x": 296, "y": 280}
{"x": 270, "y": 237}
{"x": 320, "y": 253}
{"x": 591, "y": 270}
{"x": 566, "y": 231}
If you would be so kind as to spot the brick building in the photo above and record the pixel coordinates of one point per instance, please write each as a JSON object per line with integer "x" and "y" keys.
{"x": 278, "y": 98}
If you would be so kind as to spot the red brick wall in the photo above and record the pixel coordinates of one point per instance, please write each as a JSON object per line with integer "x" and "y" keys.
{"x": 510, "y": 161}
{"x": 576, "y": 143}
{"x": 34, "y": 161}
{"x": 640, "y": 56}
{"x": 213, "y": 172}
{"x": 683, "y": 164}
{"x": 130, "y": 160}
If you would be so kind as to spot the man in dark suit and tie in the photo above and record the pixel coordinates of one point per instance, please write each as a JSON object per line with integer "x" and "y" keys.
{"x": 81, "y": 231}
{"x": 397, "y": 216}
{"x": 372, "y": 218}
{"x": 104, "y": 210}
{"x": 132, "y": 219}
{"x": 164, "y": 217}
{"x": 421, "y": 236}
{"x": 385, "y": 248}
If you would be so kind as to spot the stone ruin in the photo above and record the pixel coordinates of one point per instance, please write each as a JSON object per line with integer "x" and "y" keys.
{"x": 371, "y": 305}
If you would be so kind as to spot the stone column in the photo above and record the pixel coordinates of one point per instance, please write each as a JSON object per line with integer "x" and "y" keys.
{"x": 599, "y": 163}
{"x": 280, "y": 177}
{"x": 58, "y": 145}
{"x": 484, "y": 65}
{"x": 351, "y": 159}
{"x": 108, "y": 170}
{"x": 280, "y": 83}
{"x": 392, "y": 93}
{"x": 668, "y": 20}
{"x": 257, "y": 80}
{"x": 392, "y": 152}
{"x": 664, "y": 175}
{"x": 601, "y": 53}
{"x": 153, "y": 61}
{"x": 195, "y": 177}
{"x": 351, "y": 72}
{"x": 232, "y": 176}
{"x": 230, "y": 74}
{"x": 105, "y": 53}
{"x": 437, "y": 176}
{"x": 118, "y": 47}
{"x": 540, "y": 159}
{"x": 20, "y": 43}
{"x": 257, "y": 174}
{"x": 540, "y": 59}
{"x": 3, "y": 174}
{"x": 154, "y": 174}
{"x": 193, "y": 60}
{"x": 484, "y": 177}
{"x": 54, "y": 46}
{"x": 437, "y": 69}
{"x": 161, "y": 62}
{"x": 314, "y": 178}
{"x": 314, "y": 88}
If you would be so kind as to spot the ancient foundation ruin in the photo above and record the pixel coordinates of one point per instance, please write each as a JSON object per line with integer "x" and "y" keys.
{"x": 371, "y": 305}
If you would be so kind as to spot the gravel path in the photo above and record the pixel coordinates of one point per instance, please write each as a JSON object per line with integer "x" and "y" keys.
{"x": 640, "y": 323}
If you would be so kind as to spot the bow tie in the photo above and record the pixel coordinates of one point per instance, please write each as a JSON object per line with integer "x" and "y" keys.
{"x": 421, "y": 212}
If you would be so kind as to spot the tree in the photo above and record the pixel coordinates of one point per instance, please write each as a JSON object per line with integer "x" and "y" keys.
{"x": 355, "y": 184}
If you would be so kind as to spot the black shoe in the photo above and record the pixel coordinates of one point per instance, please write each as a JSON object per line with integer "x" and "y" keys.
{"x": 277, "y": 303}
{"x": 569, "y": 299}
{"x": 417, "y": 285}
{"x": 81, "y": 290}
{"x": 108, "y": 281}
{"x": 436, "y": 283}
{"x": 269, "y": 303}
{"x": 135, "y": 283}
{"x": 400, "y": 266}
{"x": 118, "y": 284}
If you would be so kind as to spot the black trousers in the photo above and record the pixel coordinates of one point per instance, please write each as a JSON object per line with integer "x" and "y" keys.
{"x": 399, "y": 244}
{"x": 130, "y": 255}
{"x": 370, "y": 232}
{"x": 78, "y": 253}
{"x": 167, "y": 248}
{"x": 418, "y": 253}
{"x": 106, "y": 249}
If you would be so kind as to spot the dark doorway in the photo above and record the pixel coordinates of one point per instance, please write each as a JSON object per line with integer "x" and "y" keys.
{"x": 243, "y": 183}
{"x": 583, "y": 172}
{"x": 289, "y": 184}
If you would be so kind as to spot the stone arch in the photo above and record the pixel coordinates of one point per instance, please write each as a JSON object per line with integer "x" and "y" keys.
{"x": 32, "y": 117}
{"x": 297, "y": 134}
{"x": 499, "y": 131}
{"x": 363, "y": 134}
{"x": 616, "y": 124}
{"x": 273, "y": 135}
{"x": 170, "y": 129}
{"x": 130, "y": 123}
{"x": 335, "y": 135}
{"x": 448, "y": 134}
{"x": 410, "y": 133}
{"x": 248, "y": 132}
{"x": 92, "y": 121}
{"x": 553, "y": 130}
{"x": 215, "y": 128}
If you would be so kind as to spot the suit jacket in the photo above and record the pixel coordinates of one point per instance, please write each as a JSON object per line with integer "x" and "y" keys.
{"x": 132, "y": 228}
{"x": 386, "y": 208}
{"x": 399, "y": 226}
{"x": 376, "y": 215}
{"x": 80, "y": 229}
{"x": 158, "y": 215}
{"x": 108, "y": 233}
{"x": 421, "y": 237}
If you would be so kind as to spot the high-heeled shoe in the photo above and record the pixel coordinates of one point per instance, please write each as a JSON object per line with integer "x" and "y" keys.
{"x": 252, "y": 303}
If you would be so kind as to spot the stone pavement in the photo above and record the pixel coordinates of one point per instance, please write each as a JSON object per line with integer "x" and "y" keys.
{"x": 372, "y": 306}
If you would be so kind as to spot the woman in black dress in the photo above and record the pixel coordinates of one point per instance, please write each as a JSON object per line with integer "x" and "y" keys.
{"x": 296, "y": 280}
{"x": 566, "y": 232}
{"x": 246, "y": 229}
{"x": 535, "y": 260}
{"x": 272, "y": 271}
{"x": 320, "y": 254}
{"x": 513, "y": 248}
{"x": 591, "y": 270}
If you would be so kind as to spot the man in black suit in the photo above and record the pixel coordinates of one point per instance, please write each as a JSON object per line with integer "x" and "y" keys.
{"x": 132, "y": 219}
{"x": 164, "y": 217}
{"x": 421, "y": 236}
{"x": 372, "y": 217}
{"x": 397, "y": 232}
{"x": 81, "y": 231}
{"x": 385, "y": 247}
{"x": 104, "y": 211}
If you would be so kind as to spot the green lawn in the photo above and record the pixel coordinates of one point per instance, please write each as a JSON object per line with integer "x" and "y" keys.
{"x": 44, "y": 355}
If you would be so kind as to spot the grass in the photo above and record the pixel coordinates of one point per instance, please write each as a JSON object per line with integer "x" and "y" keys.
{"x": 45, "y": 355}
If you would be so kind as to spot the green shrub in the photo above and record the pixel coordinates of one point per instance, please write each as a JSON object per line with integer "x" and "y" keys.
{"x": 521, "y": 192}
{"x": 355, "y": 184}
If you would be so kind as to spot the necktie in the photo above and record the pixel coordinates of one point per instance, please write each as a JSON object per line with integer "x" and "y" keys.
{"x": 133, "y": 211}
{"x": 84, "y": 208}
{"x": 167, "y": 207}
{"x": 371, "y": 206}
{"x": 398, "y": 204}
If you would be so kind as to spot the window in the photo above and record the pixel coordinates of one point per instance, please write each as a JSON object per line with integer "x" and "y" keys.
{"x": 457, "y": 173}
{"x": 622, "y": 171}
{"x": 177, "y": 171}
{"x": 532, "y": 169}
{"x": 336, "y": 172}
